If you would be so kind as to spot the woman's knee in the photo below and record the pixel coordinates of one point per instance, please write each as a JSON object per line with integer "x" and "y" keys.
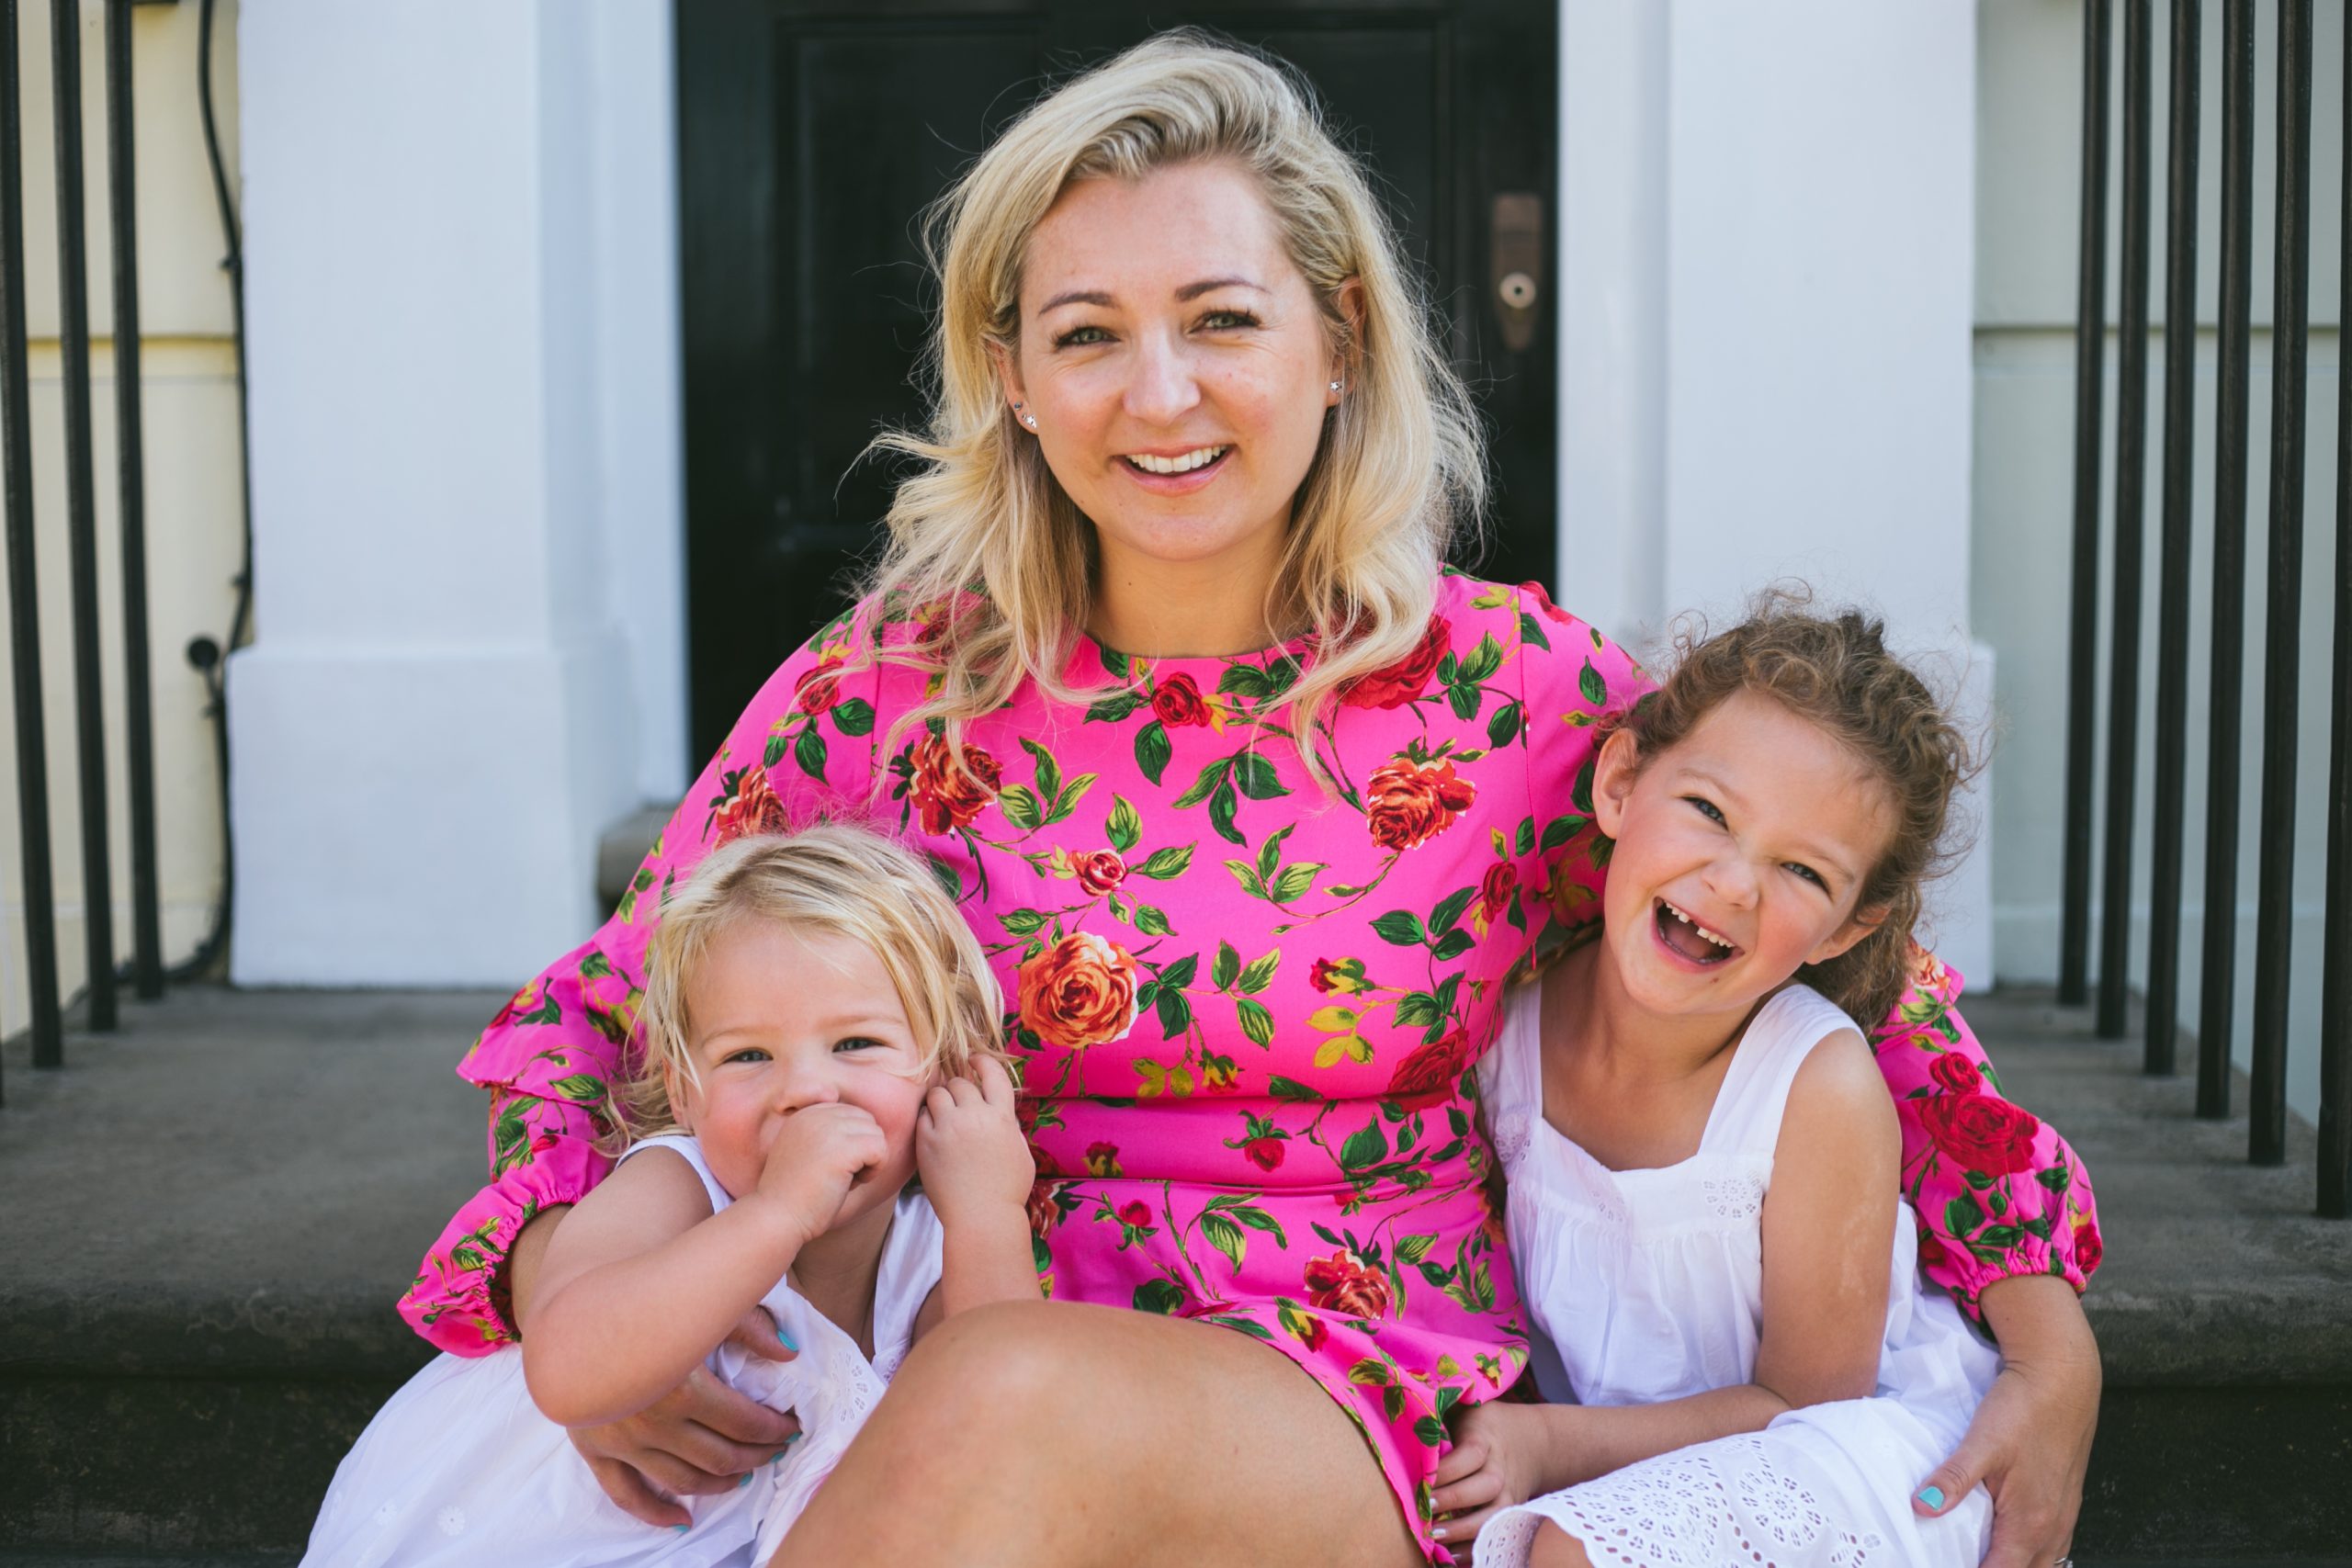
{"x": 1000, "y": 1369}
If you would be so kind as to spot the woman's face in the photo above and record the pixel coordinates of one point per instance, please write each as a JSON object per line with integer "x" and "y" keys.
{"x": 1164, "y": 328}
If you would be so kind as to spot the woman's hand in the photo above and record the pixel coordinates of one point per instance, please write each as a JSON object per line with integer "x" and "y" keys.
{"x": 1496, "y": 1461}
{"x": 975, "y": 1162}
{"x": 2030, "y": 1441}
{"x": 694, "y": 1441}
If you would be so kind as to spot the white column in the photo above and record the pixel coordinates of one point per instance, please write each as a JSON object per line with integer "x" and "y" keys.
{"x": 1768, "y": 225}
{"x": 467, "y": 520}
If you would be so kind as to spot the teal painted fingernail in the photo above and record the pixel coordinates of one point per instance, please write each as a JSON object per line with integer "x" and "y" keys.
{"x": 786, "y": 1341}
{"x": 682, "y": 1528}
{"x": 777, "y": 1457}
{"x": 745, "y": 1480}
{"x": 1932, "y": 1495}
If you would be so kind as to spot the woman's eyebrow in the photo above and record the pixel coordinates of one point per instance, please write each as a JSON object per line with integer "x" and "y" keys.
{"x": 1188, "y": 292}
{"x": 1194, "y": 290}
{"x": 1075, "y": 296}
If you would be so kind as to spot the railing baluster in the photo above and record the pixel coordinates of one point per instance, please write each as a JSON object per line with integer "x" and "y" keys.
{"x": 2274, "y": 921}
{"x": 2172, "y": 600}
{"x": 2090, "y": 368}
{"x": 2218, "y": 968}
{"x": 122, "y": 198}
{"x": 81, "y": 522}
{"x": 24, "y": 616}
{"x": 2131, "y": 491}
{"x": 2335, "y": 952}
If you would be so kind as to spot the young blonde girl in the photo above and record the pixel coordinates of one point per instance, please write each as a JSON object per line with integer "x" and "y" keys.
{"x": 821, "y": 1026}
{"x": 1701, "y": 1159}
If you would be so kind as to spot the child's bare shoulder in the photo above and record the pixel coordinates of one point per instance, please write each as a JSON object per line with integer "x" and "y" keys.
{"x": 1839, "y": 1095}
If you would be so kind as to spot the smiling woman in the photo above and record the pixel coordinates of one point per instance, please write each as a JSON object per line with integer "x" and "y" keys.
{"x": 1257, "y": 811}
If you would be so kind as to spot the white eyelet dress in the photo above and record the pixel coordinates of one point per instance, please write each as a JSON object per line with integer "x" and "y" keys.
{"x": 1649, "y": 1286}
{"x": 460, "y": 1467}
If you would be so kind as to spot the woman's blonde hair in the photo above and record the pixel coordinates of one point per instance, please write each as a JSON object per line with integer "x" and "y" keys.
{"x": 828, "y": 880}
{"x": 1399, "y": 466}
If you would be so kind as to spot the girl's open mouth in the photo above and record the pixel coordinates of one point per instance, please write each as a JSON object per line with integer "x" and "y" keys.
{"x": 1689, "y": 939}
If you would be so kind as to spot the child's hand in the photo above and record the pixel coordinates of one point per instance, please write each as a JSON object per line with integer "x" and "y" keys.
{"x": 970, "y": 1150}
{"x": 1492, "y": 1465}
{"x": 815, "y": 1159}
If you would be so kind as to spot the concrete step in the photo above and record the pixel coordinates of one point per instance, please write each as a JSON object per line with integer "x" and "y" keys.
{"x": 221, "y": 1201}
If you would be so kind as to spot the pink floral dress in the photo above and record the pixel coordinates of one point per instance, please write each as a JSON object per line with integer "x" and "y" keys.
{"x": 1245, "y": 1005}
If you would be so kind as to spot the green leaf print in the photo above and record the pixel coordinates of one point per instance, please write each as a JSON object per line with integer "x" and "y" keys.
{"x": 1413, "y": 1248}
{"x": 1227, "y": 967}
{"x": 579, "y": 1088}
{"x": 1594, "y": 689}
{"x": 1162, "y": 864}
{"x": 1113, "y": 708}
{"x": 1455, "y": 945}
{"x": 1049, "y": 772}
{"x": 1226, "y": 1236}
{"x": 1161, "y": 1296}
{"x": 1531, "y": 630}
{"x": 1295, "y": 881}
{"x": 809, "y": 752}
{"x": 854, "y": 716}
{"x": 1961, "y": 1216}
{"x": 1256, "y": 777}
{"x": 1065, "y": 799}
{"x": 1256, "y": 1022}
{"x": 1503, "y": 728}
{"x": 779, "y": 742}
{"x": 2057, "y": 1178}
{"x": 1210, "y": 777}
{"x": 1152, "y": 920}
{"x": 1223, "y": 807}
{"x": 1260, "y": 973}
{"x": 1246, "y": 680}
{"x": 1466, "y": 697}
{"x": 1448, "y": 913}
{"x": 1123, "y": 826}
{"x": 1153, "y": 749}
{"x": 1023, "y": 922}
{"x": 1021, "y": 806}
{"x": 1368, "y": 1146}
{"x": 1282, "y": 1088}
{"x": 1400, "y": 926}
{"x": 1560, "y": 830}
{"x": 1429, "y": 1431}
{"x": 1259, "y": 1219}
{"x": 1175, "y": 1012}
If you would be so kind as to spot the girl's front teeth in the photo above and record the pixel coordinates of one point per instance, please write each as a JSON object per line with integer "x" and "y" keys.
{"x": 1185, "y": 464}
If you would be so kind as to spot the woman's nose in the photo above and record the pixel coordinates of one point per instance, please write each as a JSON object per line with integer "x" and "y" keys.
{"x": 1162, "y": 389}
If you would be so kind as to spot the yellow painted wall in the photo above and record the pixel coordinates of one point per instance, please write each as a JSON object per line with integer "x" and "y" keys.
{"x": 189, "y": 411}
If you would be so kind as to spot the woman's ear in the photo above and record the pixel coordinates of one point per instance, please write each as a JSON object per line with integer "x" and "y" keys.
{"x": 1008, "y": 379}
{"x": 1843, "y": 941}
{"x": 1346, "y": 355}
{"x": 1613, "y": 773}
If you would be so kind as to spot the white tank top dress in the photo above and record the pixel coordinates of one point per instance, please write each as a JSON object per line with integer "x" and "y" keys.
{"x": 1643, "y": 1286}
{"x": 459, "y": 1469}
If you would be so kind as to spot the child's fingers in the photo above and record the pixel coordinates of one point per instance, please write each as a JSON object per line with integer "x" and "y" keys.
{"x": 938, "y": 1101}
{"x": 1459, "y": 1460}
{"x": 996, "y": 1084}
{"x": 966, "y": 1091}
{"x": 1475, "y": 1490}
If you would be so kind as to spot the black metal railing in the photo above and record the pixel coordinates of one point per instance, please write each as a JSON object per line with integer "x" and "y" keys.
{"x": 2283, "y": 631}
{"x": 16, "y": 501}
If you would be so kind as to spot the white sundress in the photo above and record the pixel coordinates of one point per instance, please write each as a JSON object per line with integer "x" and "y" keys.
{"x": 460, "y": 1467}
{"x": 1648, "y": 1285}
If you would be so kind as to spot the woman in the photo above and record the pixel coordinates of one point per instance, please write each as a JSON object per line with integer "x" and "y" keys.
{"x": 1256, "y": 812}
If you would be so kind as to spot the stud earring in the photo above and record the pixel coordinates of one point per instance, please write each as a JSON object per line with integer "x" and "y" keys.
{"x": 1335, "y": 385}
{"x": 1028, "y": 419}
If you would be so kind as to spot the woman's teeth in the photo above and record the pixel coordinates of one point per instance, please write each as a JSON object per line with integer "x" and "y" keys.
{"x": 1198, "y": 458}
{"x": 1723, "y": 945}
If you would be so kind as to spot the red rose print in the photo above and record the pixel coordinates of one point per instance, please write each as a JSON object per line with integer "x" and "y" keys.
{"x": 1408, "y": 803}
{"x": 1956, "y": 1073}
{"x": 1103, "y": 1159}
{"x": 1494, "y": 893}
{"x": 1393, "y": 686}
{"x": 1176, "y": 702}
{"x": 2088, "y": 1249}
{"x": 818, "y": 689}
{"x": 1099, "y": 871}
{"x": 1043, "y": 1210}
{"x": 1266, "y": 1153}
{"x": 949, "y": 796}
{"x": 753, "y": 809}
{"x": 1341, "y": 1283}
{"x": 1429, "y": 1074}
{"x": 1343, "y": 977}
{"x": 1079, "y": 992}
{"x": 1980, "y": 1133}
{"x": 1136, "y": 1215}
{"x": 1551, "y": 612}
{"x": 1311, "y": 1332}
{"x": 1931, "y": 1249}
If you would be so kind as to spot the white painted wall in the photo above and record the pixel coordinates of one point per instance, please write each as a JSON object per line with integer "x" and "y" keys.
{"x": 459, "y": 229}
{"x": 2029, "y": 129}
{"x": 1768, "y": 222}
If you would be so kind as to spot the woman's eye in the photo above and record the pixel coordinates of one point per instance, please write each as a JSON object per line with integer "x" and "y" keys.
{"x": 1226, "y": 320}
{"x": 1081, "y": 337}
{"x": 1706, "y": 807}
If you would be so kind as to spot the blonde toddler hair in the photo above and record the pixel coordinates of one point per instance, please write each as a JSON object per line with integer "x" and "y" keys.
{"x": 830, "y": 880}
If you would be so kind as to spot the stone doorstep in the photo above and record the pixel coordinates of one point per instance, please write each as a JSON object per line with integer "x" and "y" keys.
{"x": 228, "y": 1194}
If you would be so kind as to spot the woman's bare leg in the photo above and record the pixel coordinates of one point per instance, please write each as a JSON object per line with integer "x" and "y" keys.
{"x": 1555, "y": 1548}
{"x": 1052, "y": 1435}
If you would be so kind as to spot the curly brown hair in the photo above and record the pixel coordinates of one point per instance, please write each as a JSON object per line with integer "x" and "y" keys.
{"x": 1834, "y": 670}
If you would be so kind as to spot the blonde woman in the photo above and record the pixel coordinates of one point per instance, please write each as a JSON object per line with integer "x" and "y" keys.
{"x": 1254, "y": 809}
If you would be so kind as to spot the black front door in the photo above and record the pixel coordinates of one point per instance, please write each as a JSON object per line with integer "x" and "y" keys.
{"x": 811, "y": 136}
